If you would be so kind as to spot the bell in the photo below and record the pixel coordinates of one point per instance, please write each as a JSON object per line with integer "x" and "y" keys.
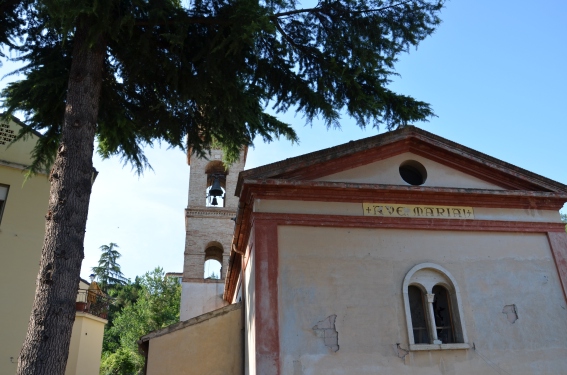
{"x": 214, "y": 202}
{"x": 216, "y": 190}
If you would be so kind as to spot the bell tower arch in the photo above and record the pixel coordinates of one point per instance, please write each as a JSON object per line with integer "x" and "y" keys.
{"x": 209, "y": 228}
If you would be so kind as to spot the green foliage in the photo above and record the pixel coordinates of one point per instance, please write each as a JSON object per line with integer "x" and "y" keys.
{"x": 10, "y": 11}
{"x": 157, "y": 306}
{"x": 123, "y": 296}
{"x": 126, "y": 294}
{"x": 564, "y": 219}
{"x": 108, "y": 271}
{"x": 124, "y": 361}
{"x": 188, "y": 77}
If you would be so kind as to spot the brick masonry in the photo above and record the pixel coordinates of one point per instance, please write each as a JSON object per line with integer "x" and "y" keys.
{"x": 209, "y": 226}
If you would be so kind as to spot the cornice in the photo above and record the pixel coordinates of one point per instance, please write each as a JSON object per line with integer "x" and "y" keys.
{"x": 210, "y": 212}
{"x": 21, "y": 167}
{"x": 10, "y": 164}
{"x": 408, "y": 223}
{"x": 202, "y": 281}
{"x": 325, "y": 191}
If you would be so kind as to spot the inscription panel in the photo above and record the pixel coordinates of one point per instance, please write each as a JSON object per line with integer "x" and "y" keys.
{"x": 417, "y": 211}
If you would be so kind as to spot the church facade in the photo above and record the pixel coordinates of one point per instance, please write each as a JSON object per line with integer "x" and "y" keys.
{"x": 403, "y": 253}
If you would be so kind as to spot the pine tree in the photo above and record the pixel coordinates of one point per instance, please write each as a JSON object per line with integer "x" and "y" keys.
{"x": 108, "y": 271}
{"x": 133, "y": 72}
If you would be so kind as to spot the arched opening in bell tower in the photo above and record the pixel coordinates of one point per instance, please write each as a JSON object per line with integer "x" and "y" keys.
{"x": 213, "y": 261}
{"x": 216, "y": 184}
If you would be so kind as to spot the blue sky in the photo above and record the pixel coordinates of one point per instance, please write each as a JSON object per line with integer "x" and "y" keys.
{"x": 494, "y": 72}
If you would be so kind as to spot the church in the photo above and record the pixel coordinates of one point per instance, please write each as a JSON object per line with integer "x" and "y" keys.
{"x": 401, "y": 253}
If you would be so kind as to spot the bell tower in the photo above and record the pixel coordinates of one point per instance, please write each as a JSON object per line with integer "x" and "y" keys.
{"x": 209, "y": 228}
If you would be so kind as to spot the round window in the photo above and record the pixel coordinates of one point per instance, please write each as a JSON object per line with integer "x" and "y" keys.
{"x": 413, "y": 172}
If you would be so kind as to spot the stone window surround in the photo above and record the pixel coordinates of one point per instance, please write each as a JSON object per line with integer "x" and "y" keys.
{"x": 456, "y": 298}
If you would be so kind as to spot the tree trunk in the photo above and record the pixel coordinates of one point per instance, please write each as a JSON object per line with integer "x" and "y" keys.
{"x": 46, "y": 346}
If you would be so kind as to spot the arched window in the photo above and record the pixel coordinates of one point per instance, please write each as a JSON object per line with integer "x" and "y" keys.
{"x": 418, "y": 317}
{"x": 433, "y": 309}
{"x": 216, "y": 184}
{"x": 442, "y": 314}
{"x": 213, "y": 261}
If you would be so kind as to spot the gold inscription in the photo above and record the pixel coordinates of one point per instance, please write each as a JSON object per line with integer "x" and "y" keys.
{"x": 420, "y": 211}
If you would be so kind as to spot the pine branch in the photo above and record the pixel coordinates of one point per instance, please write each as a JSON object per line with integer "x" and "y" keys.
{"x": 219, "y": 21}
{"x": 191, "y": 20}
{"x": 5, "y": 5}
{"x": 305, "y": 49}
{"x": 319, "y": 8}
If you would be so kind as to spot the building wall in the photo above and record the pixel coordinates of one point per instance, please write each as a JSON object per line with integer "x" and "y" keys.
{"x": 17, "y": 153}
{"x": 21, "y": 237}
{"x": 212, "y": 346}
{"x": 203, "y": 297}
{"x": 357, "y": 275}
{"x": 86, "y": 345}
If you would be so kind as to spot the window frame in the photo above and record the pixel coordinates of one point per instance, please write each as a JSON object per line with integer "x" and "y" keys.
{"x": 450, "y": 284}
{"x": 421, "y": 304}
{"x": 3, "y": 206}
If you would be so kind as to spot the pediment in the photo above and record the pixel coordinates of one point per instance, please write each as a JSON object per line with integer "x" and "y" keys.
{"x": 387, "y": 172}
{"x": 376, "y": 160}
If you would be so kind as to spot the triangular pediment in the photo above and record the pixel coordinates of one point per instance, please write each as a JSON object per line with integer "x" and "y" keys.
{"x": 387, "y": 172}
{"x": 377, "y": 160}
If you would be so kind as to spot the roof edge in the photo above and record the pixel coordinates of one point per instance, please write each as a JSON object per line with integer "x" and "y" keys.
{"x": 408, "y": 132}
{"x": 380, "y": 187}
{"x": 190, "y": 322}
{"x": 320, "y": 155}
